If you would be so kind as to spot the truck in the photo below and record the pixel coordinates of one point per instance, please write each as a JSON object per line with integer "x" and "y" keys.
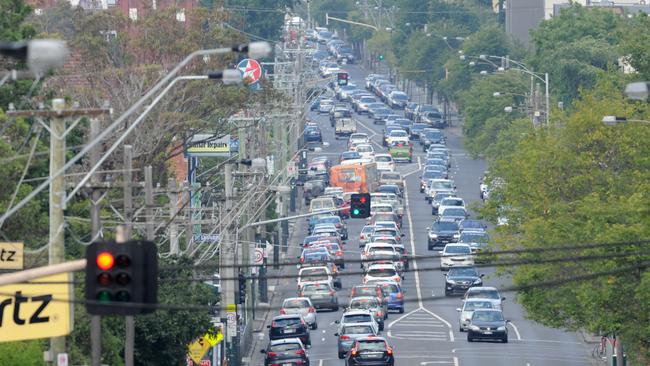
{"x": 345, "y": 127}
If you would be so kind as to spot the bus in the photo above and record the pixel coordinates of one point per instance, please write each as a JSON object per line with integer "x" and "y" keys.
{"x": 356, "y": 175}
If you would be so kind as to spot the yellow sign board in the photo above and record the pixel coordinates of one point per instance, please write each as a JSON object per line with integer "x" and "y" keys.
{"x": 198, "y": 348}
{"x": 213, "y": 339}
{"x": 11, "y": 255}
{"x": 36, "y": 309}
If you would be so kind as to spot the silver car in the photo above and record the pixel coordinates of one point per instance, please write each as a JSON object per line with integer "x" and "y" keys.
{"x": 465, "y": 313}
{"x": 347, "y": 334}
{"x": 321, "y": 294}
{"x": 371, "y": 304}
{"x": 302, "y": 306}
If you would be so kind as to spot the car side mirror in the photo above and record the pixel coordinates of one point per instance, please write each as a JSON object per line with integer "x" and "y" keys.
{"x": 458, "y": 309}
{"x": 336, "y": 334}
{"x": 403, "y": 235}
{"x": 508, "y": 321}
{"x": 440, "y": 252}
{"x": 268, "y": 326}
{"x": 262, "y": 351}
{"x": 503, "y": 298}
{"x": 481, "y": 275}
{"x": 337, "y": 322}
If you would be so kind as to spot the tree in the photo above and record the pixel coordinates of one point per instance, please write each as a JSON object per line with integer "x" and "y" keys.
{"x": 22, "y": 353}
{"x": 634, "y": 43}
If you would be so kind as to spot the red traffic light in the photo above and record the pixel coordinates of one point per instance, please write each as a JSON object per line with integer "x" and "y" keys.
{"x": 362, "y": 199}
{"x": 105, "y": 261}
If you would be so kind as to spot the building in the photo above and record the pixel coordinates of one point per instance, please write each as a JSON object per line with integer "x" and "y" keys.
{"x": 522, "y": 16}
{"x": 618, "y": 7}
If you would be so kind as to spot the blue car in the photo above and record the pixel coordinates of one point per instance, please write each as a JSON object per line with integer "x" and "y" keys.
{"x": 313, "y": 134}
{"x": 394, "y": 296}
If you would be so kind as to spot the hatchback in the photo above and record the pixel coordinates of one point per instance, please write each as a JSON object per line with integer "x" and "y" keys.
{"x": 370, "y": 351}
{"x": 289, "y": 326}
{"x": 288, "y": 351}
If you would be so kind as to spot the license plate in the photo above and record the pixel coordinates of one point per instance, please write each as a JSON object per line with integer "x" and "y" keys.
{"x": 487, "y": 332}
{"x": 374, "y": 355}
{"x": 288, "y": 331}
{"x": 286, "y": 364}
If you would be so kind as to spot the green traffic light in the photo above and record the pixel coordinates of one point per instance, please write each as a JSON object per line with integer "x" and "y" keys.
{"x": 356, "y": 211}
{"x": 381, "y": 57}
{"x": 104, "y": 296}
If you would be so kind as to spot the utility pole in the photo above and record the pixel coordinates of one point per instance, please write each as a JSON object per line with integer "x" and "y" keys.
{"x": 173, "y": 209}
{"x": 95, "y": 219}
{"x": 227, "y": 262}
{"x": 148, "y": 201}
{"x": 129, "y": 341}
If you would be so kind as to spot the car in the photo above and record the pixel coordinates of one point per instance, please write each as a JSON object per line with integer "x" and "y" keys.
{"x": 325, "y": 106}
{"x": 289, "y": 326}
{"x": 459, "y": 279}
{"x": 426, "y": 176}
{"x": 372, "y": 304}
{"x": 401, "y": 151}
{"x": 385, "y": 163}
{"x": 302, "y": 306}
{"x": 437, "y": 200}
{"x": 338, "y": 223}
{"x": 323, "y": 36}
{"x": 344, "y": 127}
{"x": 477, "y": 240}
{"x": 372, "y": 247}
{"x": 416, "y": 130}
{"x": 431, "y": 136}
{"x": 433, "y": 119}
{"x": 314, "y": 257}
{"x": 322, "y": 295}
{"x": 382, "y": 272}
{"x": 440, "y": 185}
{"x": 313, "y": 134}
{"x": 391, "y": 178}
{"x": 370, "y": 351}
{"x": 397, "y": 134}
{"x": 335, "y": 251}
{"x": 392, "y": 189}
{"x": 394, "y": 295}
{"x": 471, "y": 225}
{"x": 456, "y": 255}
{"x": 370, "y": 290}
{"x": 441, "y": 233}
{"x": 465, "y": 313}
{"x": 365, "y": 234}
{"x": 397, "y": 99}
{"x": 487, "y": 324}
{"x": 349, "y": 155}
{"x": 451, "y": 201}
{"x": 288, "y": 351}
{"x": 378, "y": 115}
{"x": 313, "y": 274}
{"x": 490, "y": 293}
{"x": 358, "y": 138}
{"x": 366, "y": 151}
{"x": 422, "y": 109}
{"x": 453, "y": 213}
{"x": 363, "y": 104}
{"x": 348, "y": 334}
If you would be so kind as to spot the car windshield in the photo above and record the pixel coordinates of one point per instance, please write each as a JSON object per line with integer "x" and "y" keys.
{"x": 364, "y": 148}
{"x": 457, "y": 249}
{"x": 390, "y": 288}
{"x": 368, "y": 100}
{"x": 296, "y": 304}
{"x": 473, "y": 305}
{"x": 446, "y": 226}
{"x": 381, "y": 272}
{"x": 357, "y": 318}
{"x": 441, "y": 196}
{"x": 454, "y": 212}
{"x": 473, "y": 238}
{"x": 316, "y": 287}
{"x": 487, "y": 316}
{"x": 330, "y": 220}
{"x": 398, "y": 133}
{"x": 383, "y": 159}
{"x": 367, "y": 229}
{"x": 433, "y": 135}
{"x": 452, "y": 202}
{"x": 358, "y": 329}
{"x": 443, "y": 185}
{"x": 485, "y": 294}
{"x": 368, "y": 303}
{"x": 285, "y": 322}
{"x": 464, "y": 272}
{"x": 400, "y": 96}
{"x": 371, "y": 345}
{"x": 284, "y": 347}
{"x": 391, "y": 176}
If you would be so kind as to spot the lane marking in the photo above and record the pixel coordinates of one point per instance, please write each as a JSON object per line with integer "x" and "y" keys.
{"x": 456, "y": 361}
{"x": 514, "y": 327}
{"x": 372, "y": 133}
{"x": 320, "y": 362}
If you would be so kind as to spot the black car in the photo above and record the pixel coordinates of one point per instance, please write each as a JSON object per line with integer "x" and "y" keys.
{"x": 442, "y": 232}
{"x": 487, "y": 324}
{"x": 370, "y": 351}
{"x": 459, "y": 279}
{"x": 431, "y": 137}
{"x": 378, "y": 115}
{"x": 433, "y": 119}
{"x": 289, "y": 326}
{"x": 349, "y": 155}
{"x": 288, "y": 351}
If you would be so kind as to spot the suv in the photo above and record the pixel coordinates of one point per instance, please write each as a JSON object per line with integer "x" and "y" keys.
{"x": 349, "y": 333}
{"x": 289, "y": 326}
{"x": 442, "y": 232}
{"x": 371, "y": 304}
{"x": 288, "y": 351}
{"x": 370, "y": 351}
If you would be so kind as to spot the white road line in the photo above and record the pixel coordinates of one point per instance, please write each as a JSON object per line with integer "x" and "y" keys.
{"x": 320, "y": 362}
{"x": 456, "y": 361}
{"x": 514, "y": 327}
{"x": 411, "y": 172}
{"x": 373, "y": 133}
{"x": 390, "y": 325}
{"x": 419, "y": 324}
{"x": 416, "y": 273}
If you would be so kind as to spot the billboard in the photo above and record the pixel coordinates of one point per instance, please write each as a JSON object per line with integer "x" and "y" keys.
{"x": 208, "y": 146}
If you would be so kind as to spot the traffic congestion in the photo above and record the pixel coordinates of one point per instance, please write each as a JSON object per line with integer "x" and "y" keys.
{"x": 355, "y": 277}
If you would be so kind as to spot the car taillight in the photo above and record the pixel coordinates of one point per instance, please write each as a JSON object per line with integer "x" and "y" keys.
{"x": 271, "y": 354}
{"x": 380, "y": 314}
{"x": 302, "y": 321}
{"x": 345, "y": 338}
{"x": 332, "y": 293}
{"x": 389, "y": 351}
{"x": 302, "y": 294}
{"x": 302, "y": 260}
{"x": 399, "y": 295}
{"x": 273, "y": 325}
{"x": 312, "y": 309}
{"x": 283, "y": 312}
{"x": 398, "y": 279}
{"x": 353, "y": 352}
{"x": 300, "y": 352}
{"x": 339, "y": 253}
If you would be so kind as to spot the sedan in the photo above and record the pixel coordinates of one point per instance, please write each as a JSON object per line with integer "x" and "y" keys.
{"x": 349, "y": 333}
{"x": 456, "y": 255}
{"x": 321, "y": 294}
{"x": 465, "y": 313}
{"x": 459, "y": 279}
{"x": 371, "y": 351}
{"x": 288, "y": 351}
{"x": 487, "y": 324}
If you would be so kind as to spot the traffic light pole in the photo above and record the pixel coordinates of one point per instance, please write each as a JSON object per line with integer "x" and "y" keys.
{"x": 129, "y": 339}
{"x": 95, "y": 219}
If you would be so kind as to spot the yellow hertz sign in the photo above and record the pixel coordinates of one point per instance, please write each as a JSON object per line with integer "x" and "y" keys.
{"x": 36, "y": 310}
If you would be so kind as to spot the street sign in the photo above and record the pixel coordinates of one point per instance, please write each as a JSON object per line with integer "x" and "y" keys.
{"x": 259, "y": 256}
{"x": 250, "y": 70}
{"x": 213, "y": 339}
{"x": 231, "y": 320}
{"x": 197, "y": 349}
{"x": 292, "y": 169}
{"x": 62, "y": 359}
{"x": 11, "y": 255}
{"x": 208, "y": 145}
{"x": 210, "y": 238}
{"x": 40, "y": 309}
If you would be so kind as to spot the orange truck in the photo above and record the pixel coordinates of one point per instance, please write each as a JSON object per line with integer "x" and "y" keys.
{"x": 355, "y": 176}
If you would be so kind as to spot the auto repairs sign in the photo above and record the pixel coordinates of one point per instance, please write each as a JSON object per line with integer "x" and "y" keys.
{"x": 40, "y": 308}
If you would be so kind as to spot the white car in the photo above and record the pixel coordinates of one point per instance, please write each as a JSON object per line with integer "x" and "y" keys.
{"x": 382, "y": 272}
{"x": 490, "y": 293}
{"x": 397, "y": 136}
{"x": 356, "y": 317}
{"x": 325, "y": 106}
{"x": 440, "y": 185}
{"x": 456, "y": 255}
{"x": 366, "y": 151}
{"x": 314, "y": 274}
{"x": 385, "y": 162}
{"x": 371, "y": 248}
{"x": 382, "y": 207}
{"x": 465, "y": 313}
{"x": 358, "y": 138}
{"x": 450, "y": 202}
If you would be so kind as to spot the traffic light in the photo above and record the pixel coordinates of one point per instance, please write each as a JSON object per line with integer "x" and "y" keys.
{"x": 241, "y": 295}
{"x": 360, "y": 205}
{"x": 342, "y": 78}
{"x": 121, "y": 273}
{"x": 381, "y": 57}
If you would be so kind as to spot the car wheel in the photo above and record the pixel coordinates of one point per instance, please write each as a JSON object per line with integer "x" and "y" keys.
{"x": 336, "y": 308}
{"x": 504, "y": 339}
{"x": 381, "y": 326}
{"x": 401, "y": 310}
{"x": 470, "y": 339}
{"x": 342, "y": 265}
{"x": 314, "y": 326}
{"x": 447, "y": 293}
{"x": 460, "y": 329}
{"x": 341, "y": 355}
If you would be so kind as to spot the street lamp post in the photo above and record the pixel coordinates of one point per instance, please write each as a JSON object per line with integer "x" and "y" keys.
{"x": 618, "y": 120}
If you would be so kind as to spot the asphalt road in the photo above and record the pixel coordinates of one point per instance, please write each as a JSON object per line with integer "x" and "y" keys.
{"x": 427, "y": 333}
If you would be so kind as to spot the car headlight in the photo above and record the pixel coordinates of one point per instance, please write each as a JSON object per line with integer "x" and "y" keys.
{"x": 451, "y": 282}
{"x": 474, "y": 328}
{"x": 433, "y": 236}
{"x": 501, "y": 328}
{"x": 478, "y": 282}
{"x": 456, "y": 236}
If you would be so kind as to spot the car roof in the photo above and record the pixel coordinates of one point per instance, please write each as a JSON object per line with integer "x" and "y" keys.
{"x": 275, "y": 342}
{"x": 357, "y": 312}
{"x": 382, "y": 265}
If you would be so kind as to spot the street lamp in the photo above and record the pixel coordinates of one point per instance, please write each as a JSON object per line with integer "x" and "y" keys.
{"x": 617, "y": 120}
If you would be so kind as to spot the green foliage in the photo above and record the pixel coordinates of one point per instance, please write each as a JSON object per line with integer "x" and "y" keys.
{"x": 22, "y": 353}
{"x": 264, "y": 24}
{"x": 12, "y": 26}
{"x": 634, "y": 44}
{"x": 335, "y": 8}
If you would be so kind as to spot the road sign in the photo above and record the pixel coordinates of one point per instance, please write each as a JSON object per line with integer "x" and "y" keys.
{"x": 62, "y": 359}
{"x": 231, "y": 320}
{"x": 208, "y": 145}
{"x": 197, "y": 349}
{"x": 251, "y": 71}
{"x": 40, "y": 310}
{"x": 213, "y": 339}
{"x": 11, "y": 255}
{"x": 259, "y": 256}
{"x": 292, "y": 169}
